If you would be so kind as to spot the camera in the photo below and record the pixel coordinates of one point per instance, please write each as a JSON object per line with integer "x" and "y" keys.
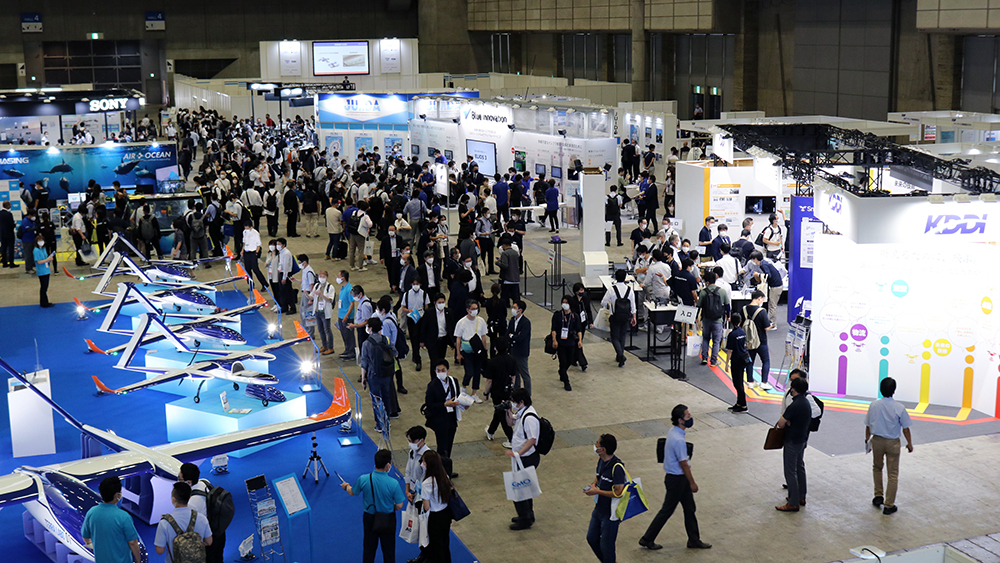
{"x": 505, "y": 405}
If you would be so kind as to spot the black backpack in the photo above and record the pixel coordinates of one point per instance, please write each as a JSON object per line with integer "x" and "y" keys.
{"x": 713, "y": 309}
{"x": 198, "y": 225}
{"x": 546, "y": 434}
{"x": 623, "y": 307}
{"x": 387, "y": 361}
{"x": 611, "y": 209}
{"x": 148, "y": 228}
{"x": 221, "y": 508}
{"x": 402, "y": 348}
{"x": 814, "y": 423}
{"x": 272, "y": 201}
{"x": 354, "y": 223}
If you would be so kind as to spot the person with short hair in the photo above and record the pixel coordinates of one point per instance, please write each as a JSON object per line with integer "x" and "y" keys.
{"x": 755, "y": 312}
{"x": 705, "y": 235}
{"x": 567, "y": 337}
{"x": 519, "y": 332}
{"x": 796, "y": 420}
{"x": 884, "y": 422}
{"x": 527, "y": 429}
{"x": 380, "y": 494}
{"x": 721, "y": 238}
{"x": 179, "y": 519}
{"x": 466, "y": 329}
{"x": 711, "y": 327}
{"x": 739, "y": 359}
{"x": 110, "y": 531}
{"x": 345, "y": 304}
{"x": 416, "y": 440}
{"x": 43, "y": 270}
{"x": 441, "y": 407}
{"x": 609, "y": 483}
{"x": 437, "y": 490}
{"x": 679, "y": 482}
{"x": 619, "y": 328}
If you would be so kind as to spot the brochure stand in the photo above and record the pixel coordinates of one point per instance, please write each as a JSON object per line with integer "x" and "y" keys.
{"x": 296, "y": 506}
{"x": 265, "y": 519}
{"x": 353, "y": 435}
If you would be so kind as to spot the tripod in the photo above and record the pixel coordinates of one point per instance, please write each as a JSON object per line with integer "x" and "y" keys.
{"x": 315, "y": 462}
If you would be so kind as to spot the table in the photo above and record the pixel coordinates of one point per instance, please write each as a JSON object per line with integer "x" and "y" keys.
{"x": 657, "y": 314}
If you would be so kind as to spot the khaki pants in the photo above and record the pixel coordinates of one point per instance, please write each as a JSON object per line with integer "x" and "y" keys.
{"x": 356, "y": 244}
{"x": 884, "y": 447}
{"x": 773, "y": 295}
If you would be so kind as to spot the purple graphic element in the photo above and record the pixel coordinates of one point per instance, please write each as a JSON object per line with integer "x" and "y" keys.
{"x": 842, "y": 376}
{"x": 843, "y": 336}
{"x": 843, "y": 347}
{"x": 859, "y": 332}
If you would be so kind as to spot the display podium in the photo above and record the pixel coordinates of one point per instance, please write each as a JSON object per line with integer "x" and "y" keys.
{"x": 595, "y": 257}
{"x": 187, "y": 419}
{"x": 31, "y": 426}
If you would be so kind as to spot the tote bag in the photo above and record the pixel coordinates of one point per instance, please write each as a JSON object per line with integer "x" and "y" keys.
{"x": 632, "y": 502}
{"x": 521, "y": 483}
{"x": 409, "y": 529}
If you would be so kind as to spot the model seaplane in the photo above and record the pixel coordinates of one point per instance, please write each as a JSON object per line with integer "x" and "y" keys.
{"x": 228, "y": 367}
{"x": 58, "y": 496}
{"x": 203, "y": 329}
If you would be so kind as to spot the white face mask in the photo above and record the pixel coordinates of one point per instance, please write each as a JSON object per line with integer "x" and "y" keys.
{"x": 368, "y": 330}
{"x": 270, "y": 247}
{"x": 595, "y": 451}
{"x": 41, "y": 243}
{"x": 402, "y": 261}
{"x": 340, "y": 281}
{"x": 416, "y": 288}
{"x": 565, "y": 306}
{"x": 279, "y": 247}
{"x": 414, "y": 447}
{"x": 513, "y": 311}
{"x": 468, "y": 265}
{"x": 301, "y": 266}
{"x": 473, "y": 313}
{"x": 685, "y": 248}
{"x": 322, "y": 279}
{"x": 392, "y": 233}
{"x": 440, "y": 306}
{"x": 430, "y": 260}
{"x": 399, "y": 216}
{"x": 442, "y": 375}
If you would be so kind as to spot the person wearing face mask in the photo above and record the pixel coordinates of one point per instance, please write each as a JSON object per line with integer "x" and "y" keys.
{"x": 362, "y": 308}
{"x": 415, "y": 472}
{"x": 376, "y": 376}
{"x": 527, "y": 428}
{"x": 390, "y": 249}
{"x": 639, "y": 234}
{"x": 323, "y": 295}
{"x": 679, "y": 482}
{"x": 273, "y": 267}
{"x": 407, "y": 272}
{"x": 380, "y": 494}
{"x": 437, "y": 490}
{"x": 391, "y": 331}
{"x": 441, "y": 407}
{"x": 471, "y": 344}
{"x": 250, "y": 252}
{"x": 581, "y": 306}
{"x": 429, "y": 273}
{"x": 567, "y": 337}
{"x": 484, "y": 236}
{"x": 345, "y": 304}
{"x": 452, "y": 266}
{"x": 306, "y": 300}
{"x": 510, "y": 269}
{"x": 109, "y": 530}
{"x": 414, "y": 304}
{"x": 285, "y": 266}
{"x": 685, "y": 251}
{"x": 43, "y": 270}
{"x": 609, "y": 482}
{"x": 500, "y": 372}
{"x": 519, "y": 332}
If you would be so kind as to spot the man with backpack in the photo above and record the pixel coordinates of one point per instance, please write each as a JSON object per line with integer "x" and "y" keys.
{"x": 213, "y": 216}
{"x": 378, "y": 363}
{"x": 215, "y": 503}
{"x": 149, "y": 233}
{"x": 183, "y": 534}
{"x": 620, "y": 300}
{"x": 532, "y": 437}
{"x": 714, "y": 305}
{"x": 198, "y": 229}
{"x": 271, "y": 210}
{"x": 755, "y": 323}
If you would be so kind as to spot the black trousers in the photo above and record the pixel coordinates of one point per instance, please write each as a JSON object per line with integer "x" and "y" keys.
{"x": 78, "y": 243}
{"x": 436, "y": 350}
{"x": 290, "y": 225}
{"x": 414, "y": 334}
{"x": 486, "y": 246}
{"x": 617, "y": 222}
{"x": 7, "y": 251}
{"x": 566, "y": 352}
{"x": 439, "y": 537}
{"x": 43, "y": 290}
{"x": 500, "y": 419}
{"x": 526, "y": 508}
{"x": 276, "y": 292}
{"x": 250, "y": 264}
{"x": 372, "y": 540}
{"x": 215, "y": 233}
{"x": 512, "y": 291}
{"x": 272, "y": 225}
{"x": 256, "y": 212}
{"x": 678, "y": 491}
{"x": 288, "y": 297}
{"x": 738, "y": 368}
{"x": 445, "y": 439}
{"x": 213, "y": 553}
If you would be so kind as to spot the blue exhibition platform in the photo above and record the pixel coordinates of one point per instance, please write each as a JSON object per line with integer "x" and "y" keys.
{"x": 142, "y": 416}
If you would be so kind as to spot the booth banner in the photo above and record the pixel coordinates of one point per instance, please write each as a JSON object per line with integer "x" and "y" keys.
{"x": 391, "y": 62}
{"x": 726, "y": 204}
{"x": 335, "y": 143}
{"x": 67, "y": 170}
{"x": 882, "y": 310}
{"x": 804, "y": 228}
{"x": 290, "y": 54}
{"x": 341, "y": 107}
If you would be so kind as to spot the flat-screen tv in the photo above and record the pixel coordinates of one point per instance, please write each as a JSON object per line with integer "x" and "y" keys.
{"x": 448, "y": 155}
{"x": 415, "y": 150}
{"x": 539, "y": 169}
{"x": 332, "y": 58}
{"x": 760, "y": 205}
{"x": 485, "y": 155}
{"x": 519, "y": 165}
{"x": 557, "y": 172}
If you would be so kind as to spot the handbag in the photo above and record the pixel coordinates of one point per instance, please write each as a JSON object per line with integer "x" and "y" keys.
{"x": 521, "y": 483}
{"x": 632, "y": 502}
{"x": 775, "y": 438}
{"x": 383, "y": 521}
{"x": 457, "y": 506}
{"x": 549, "y": 348}
{"x": 425, "y": 537}
{"x": 409, "y": 529}
{"x": 603, "y": 320}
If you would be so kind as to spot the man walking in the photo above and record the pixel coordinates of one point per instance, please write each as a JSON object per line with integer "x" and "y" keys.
{"x": 609, "y": 483}
{"x": 714, "y": 305}
{"x": 382, "y": 497}
{"x": 620, "y": 300}
{"x": 795, "y": 420}
{"x": 527, "y": 429}
{"x": 885, "y": 420}
{"x": 519, "y": 331}
{"x": 679, "y": 482}
{"x": 109, "y": 530}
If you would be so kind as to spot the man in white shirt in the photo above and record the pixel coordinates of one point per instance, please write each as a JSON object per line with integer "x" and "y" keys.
{"x": 79, "y": 231}
{"x": 527, "y": 429}
{"x": 413, "y": 303}
{"x": 730, "y": 267}
{"x": 657, "y": 276}
{"x": 251, "y": 200}
{"x": 167, "y": 529}
{"x": 250, "y": 254}
{"x": 619, "y": 290}
{"x": 285, "y": 261}
{"x": 468, "y": 327}
{"x": 306, "y": 302}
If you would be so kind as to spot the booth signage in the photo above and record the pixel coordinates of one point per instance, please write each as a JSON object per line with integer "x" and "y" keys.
{"x": 955, "y": 224}
{"x": 290, "y": 58}
{"x": 484, "y": 114}
{"x": 156, "y": 21}
{"x": 108, "y": 104}
{"x": 31, "y": 23}
{"x": 391, "y": 62}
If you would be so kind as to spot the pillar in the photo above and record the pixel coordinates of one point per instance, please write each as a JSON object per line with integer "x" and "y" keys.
{"x": 637, "y": 22}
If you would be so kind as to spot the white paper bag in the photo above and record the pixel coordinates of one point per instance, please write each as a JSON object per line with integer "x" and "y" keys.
{"x": 521, "y": 482}
{"x": 603, "y": 320}
{"x": 693, "y": 346}
{"x": 409, "y": 528}
{"x": 424, "y": 532}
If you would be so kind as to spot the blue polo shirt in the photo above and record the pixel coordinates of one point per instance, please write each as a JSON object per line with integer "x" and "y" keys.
{"x": 502, "y": 192}
{"x": 345, "y": 299}
{"x": 110, "y": 529}
{"x": 41, "y": 254}
{"x": 675, "y": 451}
{"x": 387, "y": 491}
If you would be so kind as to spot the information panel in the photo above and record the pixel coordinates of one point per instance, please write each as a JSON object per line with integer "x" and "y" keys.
{"x": 340, "y": 58}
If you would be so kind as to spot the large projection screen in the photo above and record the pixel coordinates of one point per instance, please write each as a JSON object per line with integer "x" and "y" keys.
{"x": 485, "y": 155}
{"x": 340, "y": 58}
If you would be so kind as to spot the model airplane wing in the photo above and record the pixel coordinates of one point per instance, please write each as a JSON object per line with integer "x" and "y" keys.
{"x": 17, "y": 488}
{"x": 300, "y": 336}
{"x": 172, "y": 375}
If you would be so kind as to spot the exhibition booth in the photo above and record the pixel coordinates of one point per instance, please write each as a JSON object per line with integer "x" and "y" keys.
{"x": 31, "y": 115}
{"x": 950, "y": 126}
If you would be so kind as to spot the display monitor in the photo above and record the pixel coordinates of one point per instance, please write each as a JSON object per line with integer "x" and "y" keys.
{"x": 430, "y": 152}
{"x": 519, "y": 165}
{"x": 256, "y": 483}
{"x": 539, "y": 169}
{"x": 557, "y": 172}
{"x": 760, "y": 205}
{"x": 332, "y": 58}
{"x": 415, "y": 150}
{"x": 485, "y": 155}
{"x": 448, "y": 155}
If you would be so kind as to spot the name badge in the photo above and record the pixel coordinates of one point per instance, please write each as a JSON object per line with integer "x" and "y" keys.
{"x": 564, "y": 334}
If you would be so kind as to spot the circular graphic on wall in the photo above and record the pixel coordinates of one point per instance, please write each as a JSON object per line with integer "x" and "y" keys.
{"x": 840, "y": 288}
{"x": 834, "y": 317}
{"x": 899, "y": 288}
{"x": 858, "y": 306}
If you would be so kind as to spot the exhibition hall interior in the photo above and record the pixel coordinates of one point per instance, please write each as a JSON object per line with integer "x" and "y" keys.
{"x": 476, "y": 281}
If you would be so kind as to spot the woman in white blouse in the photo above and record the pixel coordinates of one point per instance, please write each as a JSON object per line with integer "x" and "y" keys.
{"x": 435, "y": 490}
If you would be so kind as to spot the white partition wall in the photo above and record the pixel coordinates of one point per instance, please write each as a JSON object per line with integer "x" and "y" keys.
{"x": 31, "y": 426}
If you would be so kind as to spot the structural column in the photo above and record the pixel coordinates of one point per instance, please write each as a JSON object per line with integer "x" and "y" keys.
{"x": 637, "y": 21}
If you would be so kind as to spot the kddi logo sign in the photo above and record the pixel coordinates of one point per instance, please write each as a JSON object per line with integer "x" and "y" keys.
{"x": 474, "y": 115}
{"x": 967, "y": 224}
{"x": 108, "y": 104}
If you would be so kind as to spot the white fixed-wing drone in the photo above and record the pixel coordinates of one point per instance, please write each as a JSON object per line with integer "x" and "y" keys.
{"x": 228, "y": 367}
{"x": 58, "y": 497}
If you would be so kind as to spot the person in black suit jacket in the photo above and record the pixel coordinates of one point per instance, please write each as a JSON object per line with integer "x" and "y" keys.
{"x": 441, "y": 407}
{"x": 584, "y": 313}
{"x": 407, "y": 273}
{"x": 519, "y": 330}
{"x": 459, "y": 294}
{"x": 435, "y": 331}
{"x": 389, "y": 251}
{"x": 7, "y": 236}
{"x": 430, "y": 271}
{"x": 452, "y": 265}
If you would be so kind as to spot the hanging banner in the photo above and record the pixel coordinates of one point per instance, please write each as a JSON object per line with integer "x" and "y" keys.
{"x": 290, "y": 57}
{"x": 391, "y": 62}
{"x": 804, "y": 228}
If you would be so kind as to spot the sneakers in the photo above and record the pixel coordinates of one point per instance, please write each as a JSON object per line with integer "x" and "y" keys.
{"x": 890, "y": 510}
{"x": 274, "y": 309}
{"x": 737, "y": 409}
{"x": 877, "y": 501}
{"x": 363, "y": 269}
{"x": 754, "y": 385}
{"x": 507, "y": 445}
{"x": 488, "y": 435}
{"x": 704, "y": 362}
{"x": 766, "y": 386}
{"x": 476, "y": 399}
{"x": 621, "y": 363}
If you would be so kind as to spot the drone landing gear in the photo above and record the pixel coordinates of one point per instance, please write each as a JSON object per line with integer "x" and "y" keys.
{"x": 197, "y": 395}
{"x": 236, "y": 386}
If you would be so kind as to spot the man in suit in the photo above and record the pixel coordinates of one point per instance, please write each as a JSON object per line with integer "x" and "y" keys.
{"x": 406, "y": 272}
{"x": 434, "y": 331}
{"x": 390, "y": 249}
{"x": 429, "y": 274}
{"x": 452, "y": 265}
{"x": 6, "y": 236}
{"x": 519, "y": 331}
{"x": 441, "y": 407}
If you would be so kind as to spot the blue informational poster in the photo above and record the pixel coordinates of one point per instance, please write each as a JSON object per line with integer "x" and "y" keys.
{"x": 365, "y": 141}
{"x": 68, "y": 170}
{"x": 334, "y": 143}
{"x": 804, "y": 228}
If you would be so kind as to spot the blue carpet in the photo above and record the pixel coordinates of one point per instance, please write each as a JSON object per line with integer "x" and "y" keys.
{"x": 336, "y": 516}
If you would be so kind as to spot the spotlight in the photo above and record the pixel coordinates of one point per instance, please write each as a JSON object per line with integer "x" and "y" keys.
{"x": 306, "y": 367}
{"x": 271, "y": 328}
{"x": 510, "y": 126}
{"x": 562, "y": 132}
{"x": 423, "y": 116}
{"x": 81, "y": 313}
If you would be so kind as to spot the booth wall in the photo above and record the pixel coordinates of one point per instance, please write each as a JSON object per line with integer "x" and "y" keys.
{"x": 885, "y": 310}
{"x": 271, "y": 68}
{"x": 499, "y": 84}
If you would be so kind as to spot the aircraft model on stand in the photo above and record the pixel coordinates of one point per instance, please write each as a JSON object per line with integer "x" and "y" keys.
{"x": 58, "y": 496}
{"x": 206, "y": 328}
{"x": 121, "y": 244}
{"x": 228, "y": 367}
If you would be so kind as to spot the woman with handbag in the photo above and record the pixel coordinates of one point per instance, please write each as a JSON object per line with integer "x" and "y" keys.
{"x": 436, "y": 491}
{"x": 567, "y": 338}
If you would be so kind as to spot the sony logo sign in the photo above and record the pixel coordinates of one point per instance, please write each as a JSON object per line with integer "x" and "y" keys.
{"x": 108, "y": 104}
{"x": 954, "y": 224}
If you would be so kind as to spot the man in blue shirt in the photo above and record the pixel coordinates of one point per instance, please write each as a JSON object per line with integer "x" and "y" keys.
{"x": 380, "y": 494}
{"x": 344, "y": 303}
{"x": 501, "y": 191}
{"x": 884, "y": 422}
{"x": 705, "y": 235}
{"x": 679, "y": 482}
{"x": 609, "y": 483}
{"x": 110, "y": 530}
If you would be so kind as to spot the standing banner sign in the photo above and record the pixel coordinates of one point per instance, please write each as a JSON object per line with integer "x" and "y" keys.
{"x": 804, "y": 229}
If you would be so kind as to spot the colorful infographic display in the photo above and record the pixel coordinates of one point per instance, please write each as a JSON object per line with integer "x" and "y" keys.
{"x": 922, "y": 314}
